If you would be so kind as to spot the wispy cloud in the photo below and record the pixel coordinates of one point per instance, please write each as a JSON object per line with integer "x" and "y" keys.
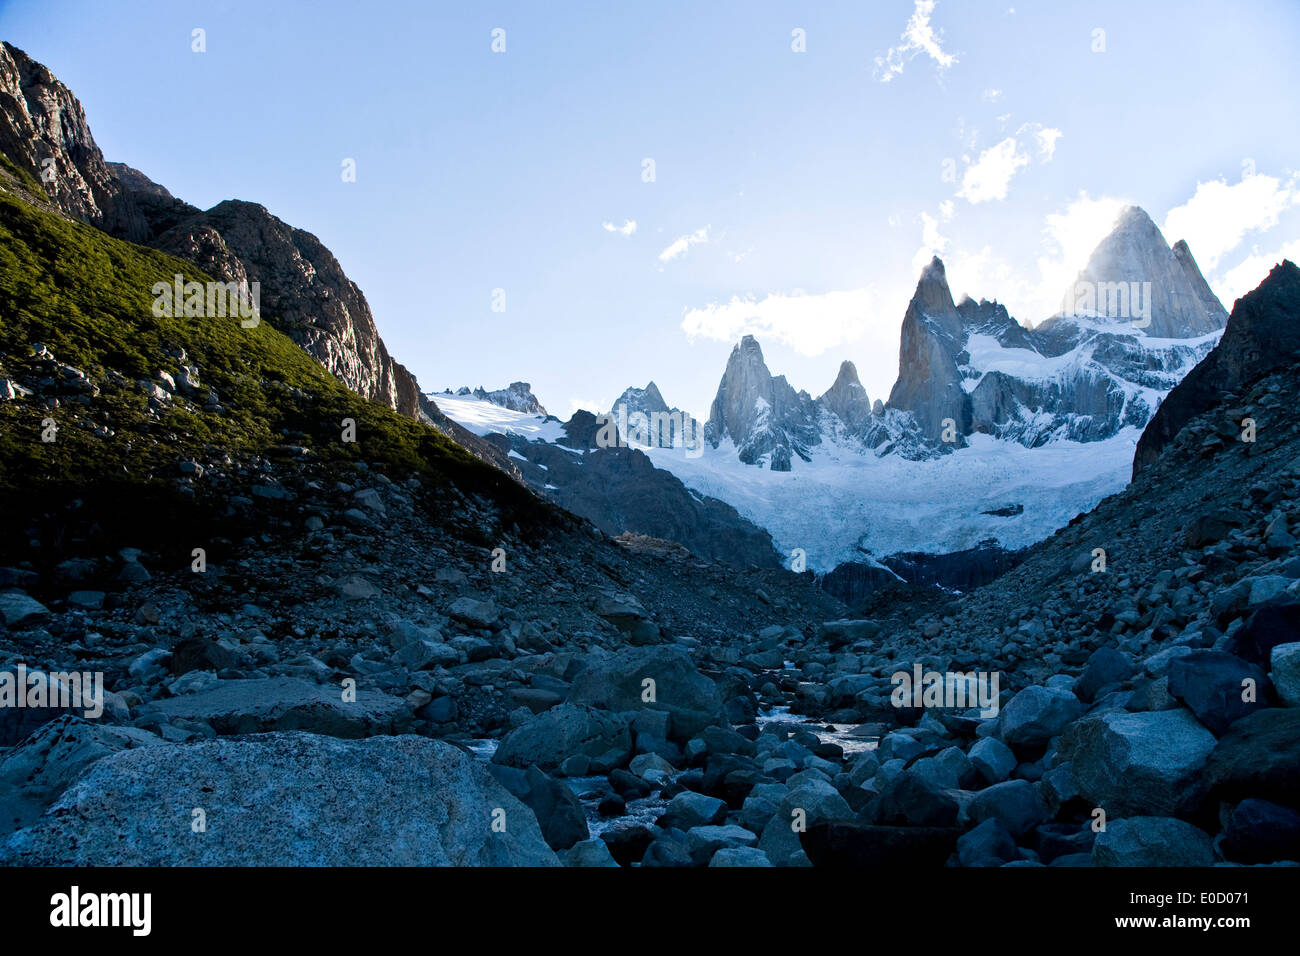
{"x": 989, "y": 177}
{"x": 628, "y": 227}
{"x": 678, "y": 246}
{"x": 809, "y": 324}
{"x": 918, "y": 37}
{"x": 1217, "y": 217}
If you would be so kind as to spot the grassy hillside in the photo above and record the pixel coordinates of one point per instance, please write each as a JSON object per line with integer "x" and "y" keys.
{"x": 87, "y": 298}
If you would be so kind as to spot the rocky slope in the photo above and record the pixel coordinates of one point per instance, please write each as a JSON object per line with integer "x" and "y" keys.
{"x": 1262, "y": 335}
{"x": 1119, "y": 692}
{"x": 618, "y": 489}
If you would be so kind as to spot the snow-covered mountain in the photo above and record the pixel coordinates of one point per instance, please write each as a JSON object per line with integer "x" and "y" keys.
{"x": 518, "y": 397}
{"x": 1137, "y": 319}
{"x": 994, "y": 432}
{"x": 616, "y": 488}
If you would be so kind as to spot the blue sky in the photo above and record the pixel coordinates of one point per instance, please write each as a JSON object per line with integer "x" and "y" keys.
{"x": 794, "y": 195}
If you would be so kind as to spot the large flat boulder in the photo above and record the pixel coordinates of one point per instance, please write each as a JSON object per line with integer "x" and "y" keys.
{"x": 285, "y": 799}
{"x": 286, "y": 703}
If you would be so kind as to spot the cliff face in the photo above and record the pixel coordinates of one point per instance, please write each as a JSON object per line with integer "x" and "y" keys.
{"x": 304, "y": 291}
{"x": 763, "y": 415}
{"x": 43, "y": 130}
{"x": 929, "y": 383}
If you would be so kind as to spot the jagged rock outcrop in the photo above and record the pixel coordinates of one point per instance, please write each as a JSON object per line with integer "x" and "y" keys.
{"x": 646, "y": 400}
{"x": 848, "y": 400}
{"x": 518, "y": 397}
{"x": 1112, "y": 286}
{"x": 43, "y": 130}
{"x": 1098, "y": 366}
{"x": 765, "y": 418}
{"x": 1263, "y": 333}
{"x": 929, "y": 382}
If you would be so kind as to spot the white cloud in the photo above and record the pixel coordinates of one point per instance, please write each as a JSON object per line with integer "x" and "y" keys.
{"x": 628, "y": 227}
{"x": 809, "y": 324}
{"x": 1218, "y": 216}
{"x": 991, "y": 96}
{"x": 946, "y": 210}
{"x": 990, "y": 176}
{"x": 679, "y": 245}
{"x": 932, "y": 243}
{"x": 1047, "y": 137}
{"x": 918, "y": 37}
{"x": 1250, "y": 272}
{"x": 1069, "y": 237}
{"x": 594, "y": 406}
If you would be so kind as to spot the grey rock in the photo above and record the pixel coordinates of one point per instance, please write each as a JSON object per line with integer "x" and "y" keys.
{"x": 616, "y": 683}
{"x": 473, "y": 612}
{"x": 286, "y": 703}
{"x": 1284, "y": 664}
{"x": 1147, "y": 763}
{"x": 19, "y": 610}
{"x": 993, "y": 759}
{"x": 1037, "y": 714}
{"x": 1152, "y": 841}
{"x": 384, "y": 801}
{"x": 549, "y": 738}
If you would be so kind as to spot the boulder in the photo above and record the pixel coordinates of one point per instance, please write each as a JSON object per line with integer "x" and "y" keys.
{"x": 1284, "y": 671}
{"x": 473, "y": 612}
{"x": 1257, "y": 758}
{"x": 285, "y": 799}
{"x": 1260, "y": 831}
{"x": 551, "y": 737}
{"x": 690, "y": 809}
{"x": 912, "y": 801}
{"x": 559, "y": 814}
{"x": 1264, "y": 630}
{"x": 20, "y": 611}
{"x": 989, "y": 844}
{"x": 1015, "y": 804}
{"x": 1036, "y": 715}
{"x": 1213, "y": 684}
{"x": 589, "y": 853}
{"x": 619, "y": 683}
{"x": 1106, "y": 666}
{"x": 740, "y": 856}
{"x": 1139, "y": 763}
{"x": 286, "y": 703}
{"x": 992, "y": 759}
{"x": 1152, "y": 841}
{"x": 40, "y": 768}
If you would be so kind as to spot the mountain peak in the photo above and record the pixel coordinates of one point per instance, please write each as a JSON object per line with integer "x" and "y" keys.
{"x": 517, "y": 397}
{"x": 848, "y": 399}
{"x": 1133, "y": 277}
